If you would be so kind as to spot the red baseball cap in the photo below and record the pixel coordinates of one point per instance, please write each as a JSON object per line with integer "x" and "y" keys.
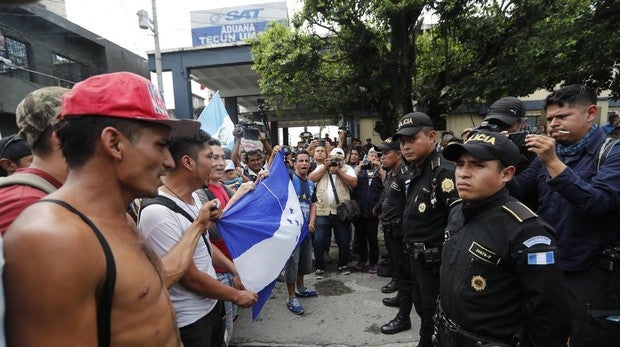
{"x": 123, "y": 95}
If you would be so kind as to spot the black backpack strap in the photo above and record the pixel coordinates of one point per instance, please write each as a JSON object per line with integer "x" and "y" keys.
{"x": 104, "y": 304}
{"x": 171, "y": 205}
{"x": 168, "y": 203}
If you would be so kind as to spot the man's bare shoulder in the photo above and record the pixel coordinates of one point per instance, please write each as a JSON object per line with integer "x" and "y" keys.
{"x": 46, "y": 227}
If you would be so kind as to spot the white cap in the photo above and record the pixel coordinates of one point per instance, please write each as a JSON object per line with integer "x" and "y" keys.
{"x": 336, "y": 151}
{"x": 229, "y": 165}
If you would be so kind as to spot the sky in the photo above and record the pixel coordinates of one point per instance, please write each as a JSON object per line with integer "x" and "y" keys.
{"x": 116, "y": 20}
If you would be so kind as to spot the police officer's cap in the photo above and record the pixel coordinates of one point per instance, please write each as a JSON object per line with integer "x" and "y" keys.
{"x": 485, "y": 146}
{"x": 387, "y": 145}
{"x": 411, "y": 123}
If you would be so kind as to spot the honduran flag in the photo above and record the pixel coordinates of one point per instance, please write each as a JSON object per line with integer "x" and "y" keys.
{"x": 215, "y": 120}
{"x": 262, "y": 229}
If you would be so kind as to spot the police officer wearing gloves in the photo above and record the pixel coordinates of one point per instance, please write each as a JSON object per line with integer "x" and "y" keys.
{"x": 500, "y": 281}
{"x": 430, "y": 192}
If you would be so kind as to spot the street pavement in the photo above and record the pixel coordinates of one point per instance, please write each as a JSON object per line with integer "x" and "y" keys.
{"x": 347, "y": 312}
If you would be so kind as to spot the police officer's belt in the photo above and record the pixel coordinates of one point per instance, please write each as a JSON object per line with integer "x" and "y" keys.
{"x": 451, "y": 334}
{"x": 392, "y": 224}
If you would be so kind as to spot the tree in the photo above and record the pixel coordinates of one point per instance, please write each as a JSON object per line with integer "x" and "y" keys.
{"x": 346, "y": 58}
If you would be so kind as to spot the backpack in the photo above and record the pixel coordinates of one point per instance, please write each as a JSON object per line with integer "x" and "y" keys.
{"x": 28, "y": 179}
{"x": 604, "y": 150}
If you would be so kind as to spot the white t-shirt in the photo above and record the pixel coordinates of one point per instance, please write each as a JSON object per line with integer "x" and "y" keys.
{"x": 331, "y": 199}
{"x": 163, "y": 228}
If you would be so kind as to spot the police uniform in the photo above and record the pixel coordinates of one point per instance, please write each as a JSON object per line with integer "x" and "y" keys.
{"x": 499, "y": 279}
{"x": 430, "y": 193}
{"x": 391, "y": 206}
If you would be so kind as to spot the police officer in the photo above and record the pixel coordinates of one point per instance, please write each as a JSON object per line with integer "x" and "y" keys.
{"x": 500, "y": 281}
{"x": 430, "y": 192}
{"x": 390, "y": 210}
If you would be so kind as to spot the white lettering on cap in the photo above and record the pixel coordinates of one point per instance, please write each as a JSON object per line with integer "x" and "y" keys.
{"x": 159, "y": 106}
{"x": 481, "y": 138}
{"x": 406, "y": 121}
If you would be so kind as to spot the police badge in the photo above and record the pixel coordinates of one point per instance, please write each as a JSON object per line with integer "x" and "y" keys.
{"x": 478, "y": 283}
{"x": 447, "y": 185}
{"x": 422, "y": 207}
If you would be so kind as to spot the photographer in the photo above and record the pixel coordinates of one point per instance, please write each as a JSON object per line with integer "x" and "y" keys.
{"x": 507, "y": 116}
{"x": 370, "y": 176}
{"x": 333, "y": 177}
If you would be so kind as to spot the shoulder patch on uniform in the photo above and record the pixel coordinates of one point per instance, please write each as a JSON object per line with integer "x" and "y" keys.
{"x": 541, "y": 258}
{"x": 519, "y": 211}
{"x": 537, "y": 240}
{"x": 456, "y": 202}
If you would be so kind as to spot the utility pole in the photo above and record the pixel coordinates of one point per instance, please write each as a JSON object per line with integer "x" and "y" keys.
{"x": 145, "y": 23}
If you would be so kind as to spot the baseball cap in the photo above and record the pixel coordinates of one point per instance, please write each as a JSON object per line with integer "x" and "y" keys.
{"x": 336, "y": 152}
{"x": 411, "y": 123}
{"x": 123, "y": 95}
{"x": 387, "y": 145}
{"x": 37, "y": 111}
{"x": 229, "y": 165}
{"x": 13, "y": 148}
{"x": 507, "y": 110}
{"x": 485, "y": 145}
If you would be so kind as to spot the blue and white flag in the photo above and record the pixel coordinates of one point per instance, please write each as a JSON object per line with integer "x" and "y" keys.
{"x": 214, "y": 119}
{"x": 262, "y": 229}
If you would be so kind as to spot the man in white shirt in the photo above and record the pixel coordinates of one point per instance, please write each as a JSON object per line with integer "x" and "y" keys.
{"x": 343, "y": 179}
{"x": 197, "y": 298}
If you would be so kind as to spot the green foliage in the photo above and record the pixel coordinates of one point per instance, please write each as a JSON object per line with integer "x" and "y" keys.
{"x": 347, "y": 58}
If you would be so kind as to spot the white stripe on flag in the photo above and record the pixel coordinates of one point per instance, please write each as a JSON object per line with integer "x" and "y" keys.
{"x": 540, "y": 258}
{"x": 263, "y": 262}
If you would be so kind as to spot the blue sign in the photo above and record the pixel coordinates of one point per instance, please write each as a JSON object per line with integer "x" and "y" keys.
{"x": 230, "y": 26}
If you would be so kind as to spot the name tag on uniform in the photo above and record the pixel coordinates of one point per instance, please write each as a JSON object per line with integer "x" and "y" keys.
{"x": 540, "y": 258}
{"x": 484, "y": 254}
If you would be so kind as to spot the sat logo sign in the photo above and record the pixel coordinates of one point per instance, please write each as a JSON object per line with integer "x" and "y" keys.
{"x": 232, "y": 26}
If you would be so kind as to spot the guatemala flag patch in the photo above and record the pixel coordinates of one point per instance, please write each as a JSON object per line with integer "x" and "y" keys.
{"x": 540, "y": 258}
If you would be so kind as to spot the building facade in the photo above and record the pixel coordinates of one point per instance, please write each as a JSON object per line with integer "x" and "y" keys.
{"x": 41, "y": 48}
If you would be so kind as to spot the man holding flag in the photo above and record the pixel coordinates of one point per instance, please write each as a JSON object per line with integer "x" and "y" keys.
{"x": 197, "y": 298}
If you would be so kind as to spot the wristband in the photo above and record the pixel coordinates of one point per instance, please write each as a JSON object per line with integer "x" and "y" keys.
{"x": 235, "y": 275}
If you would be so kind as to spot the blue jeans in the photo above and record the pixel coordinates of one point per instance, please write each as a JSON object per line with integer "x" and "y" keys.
{"x": 322, "y": 236}
{"x": 230, "y": 309}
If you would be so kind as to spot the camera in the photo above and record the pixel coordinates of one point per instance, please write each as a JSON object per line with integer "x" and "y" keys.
{"x": 366, "y": 165}
{"x": 322, "y": 143}
{"x": 345, "y": 130}
{"x": 487, "y": 126}
{"x": 247, "y": 129}
{"x": 332, "y": 163}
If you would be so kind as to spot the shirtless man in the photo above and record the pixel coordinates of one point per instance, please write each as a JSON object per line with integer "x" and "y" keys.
{"x": 71, "y": 283}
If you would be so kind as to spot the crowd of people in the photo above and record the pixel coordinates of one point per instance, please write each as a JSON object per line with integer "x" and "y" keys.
{"x": 504, "y": 237}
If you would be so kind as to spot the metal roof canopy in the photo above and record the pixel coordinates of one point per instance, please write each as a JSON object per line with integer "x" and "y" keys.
{"x": 227, "y": 70}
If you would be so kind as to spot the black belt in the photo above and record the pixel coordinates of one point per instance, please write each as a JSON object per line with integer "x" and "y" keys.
{"x": 392, "y": 223}
{"x": 451, "y": 334}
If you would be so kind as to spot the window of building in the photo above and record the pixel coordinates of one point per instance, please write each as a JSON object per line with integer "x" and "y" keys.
{"x": 67, "y": 69}
{"x": 17, "y": 52}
